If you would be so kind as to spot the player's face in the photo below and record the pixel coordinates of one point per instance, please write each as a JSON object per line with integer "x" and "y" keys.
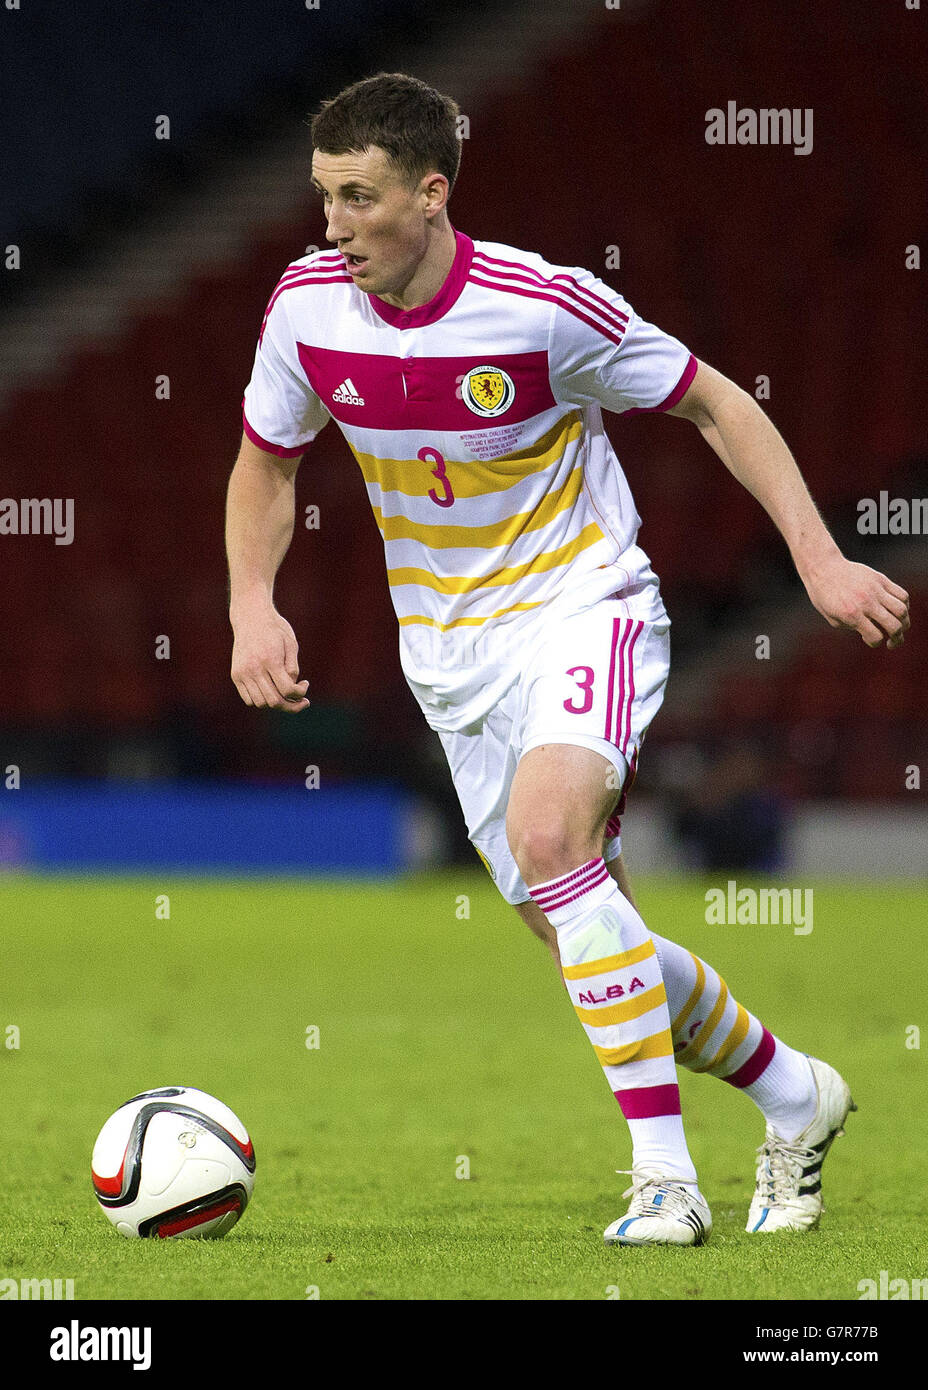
{"x": 375, "y": 218}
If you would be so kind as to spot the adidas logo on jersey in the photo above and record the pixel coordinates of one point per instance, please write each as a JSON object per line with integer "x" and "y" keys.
{"x": 347, "y": 393}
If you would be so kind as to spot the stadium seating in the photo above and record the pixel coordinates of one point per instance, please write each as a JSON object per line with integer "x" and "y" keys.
{"x": 794, "y": 273}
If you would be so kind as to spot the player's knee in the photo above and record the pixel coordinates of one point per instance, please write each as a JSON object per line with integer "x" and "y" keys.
{"x": 547, "y": 847}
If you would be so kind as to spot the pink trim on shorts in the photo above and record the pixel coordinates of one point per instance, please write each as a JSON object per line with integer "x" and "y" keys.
{"x": 614, "y": 823}
{"x": 630, "y": 663}
{"x": 626, "y": 686}
{"x": 611, "y": 678}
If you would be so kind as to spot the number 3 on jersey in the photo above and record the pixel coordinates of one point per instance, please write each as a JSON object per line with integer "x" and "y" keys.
{"x": 430, "y": 455}
{"x": 586, "y": 685}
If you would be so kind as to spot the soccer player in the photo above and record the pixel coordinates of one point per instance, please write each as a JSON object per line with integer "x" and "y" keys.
{"x": 469, "y": 379}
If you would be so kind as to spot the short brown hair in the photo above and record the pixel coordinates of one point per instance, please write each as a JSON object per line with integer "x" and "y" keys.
{"x": 415, "y": 125}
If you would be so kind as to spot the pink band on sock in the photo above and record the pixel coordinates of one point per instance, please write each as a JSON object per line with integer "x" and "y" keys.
{"x": 647, "y": 1102}
{"x": 757, "y": 1063}
{"x": 561, "y": 891}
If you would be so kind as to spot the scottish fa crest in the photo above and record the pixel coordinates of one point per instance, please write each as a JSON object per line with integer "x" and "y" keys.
{"x": 488, "y": 390}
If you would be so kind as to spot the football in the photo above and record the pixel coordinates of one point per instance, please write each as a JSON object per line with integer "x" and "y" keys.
{"x": 173, "y": 1162}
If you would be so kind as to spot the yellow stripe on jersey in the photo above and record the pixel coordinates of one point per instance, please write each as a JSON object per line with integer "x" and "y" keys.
{"x": 466, "y": 622}
{"x": 626, "y": 1008}
{"x": 657, "y": 1045}
{"x": 472, "y": 477}
{"x": 510, "y": 574}
{"x": 498, "y": 533}
{"x": 589, "y": 968}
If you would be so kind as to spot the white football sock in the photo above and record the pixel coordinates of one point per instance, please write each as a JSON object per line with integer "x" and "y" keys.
{"x": 613, "y": 975}
{"x": 713, "y": 1033}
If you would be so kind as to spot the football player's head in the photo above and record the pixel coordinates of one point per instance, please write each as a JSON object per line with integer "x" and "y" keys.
{"x": 385, "y": 160}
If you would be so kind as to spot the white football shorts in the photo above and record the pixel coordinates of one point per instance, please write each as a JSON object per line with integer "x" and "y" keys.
{"x": 594, "y": 677}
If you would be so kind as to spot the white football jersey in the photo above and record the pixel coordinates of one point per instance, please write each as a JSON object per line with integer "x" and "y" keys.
{"x": 476, "y": 421}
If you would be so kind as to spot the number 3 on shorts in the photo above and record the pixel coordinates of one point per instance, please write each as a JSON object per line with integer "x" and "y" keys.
{"x": 586, "y": 685}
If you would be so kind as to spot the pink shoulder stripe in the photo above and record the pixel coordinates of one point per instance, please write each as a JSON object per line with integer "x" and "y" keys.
{"x": 329, "y": 260}
{"x": 573, "y": 287}
{"x": 506, "y": 288}
{"x": 568, "y": 301}
{"x": 573, "y": 284}
{"x": 322, "y": 276}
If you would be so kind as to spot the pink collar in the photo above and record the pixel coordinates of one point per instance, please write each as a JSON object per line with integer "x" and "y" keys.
{"x": 441, "y": 302}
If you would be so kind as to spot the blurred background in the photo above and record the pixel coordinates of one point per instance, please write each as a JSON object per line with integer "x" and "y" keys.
{"x": 138, "y": 256}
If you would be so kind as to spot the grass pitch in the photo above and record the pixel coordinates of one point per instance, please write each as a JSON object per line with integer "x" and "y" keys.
{"x": 446, "y": 1045}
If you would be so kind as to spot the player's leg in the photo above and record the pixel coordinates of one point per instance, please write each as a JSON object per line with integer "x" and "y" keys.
{"x": 803, "y": 1100}
{"x": 713, "y": 1033}
{"x": 591, "y": 685}
{"x": 539, "y": 926}
{"x": 484, "y": 758}
{"x": 560, "y": 800}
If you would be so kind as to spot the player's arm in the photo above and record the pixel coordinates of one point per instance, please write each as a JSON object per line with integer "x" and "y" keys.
{"x": 259, "y": 526}
{"x": 847, "y": 594}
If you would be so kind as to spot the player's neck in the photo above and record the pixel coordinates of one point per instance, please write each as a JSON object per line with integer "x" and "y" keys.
{"x": 431, "y": 272}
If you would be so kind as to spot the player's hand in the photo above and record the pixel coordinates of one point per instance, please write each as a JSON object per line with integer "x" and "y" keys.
{"x": 265, "y": 662}
{"x": 855, "y": 597}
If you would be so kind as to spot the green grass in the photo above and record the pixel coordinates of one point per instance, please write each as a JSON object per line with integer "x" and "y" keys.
{"x": 440, "y": 1037}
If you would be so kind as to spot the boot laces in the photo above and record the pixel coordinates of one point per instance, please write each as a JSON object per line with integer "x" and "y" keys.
{"x": 781, "y": 1167}
{"x": 647, "y": 1187}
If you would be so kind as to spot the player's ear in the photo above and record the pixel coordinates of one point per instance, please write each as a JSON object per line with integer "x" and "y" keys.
{"x": 435, "y": 192}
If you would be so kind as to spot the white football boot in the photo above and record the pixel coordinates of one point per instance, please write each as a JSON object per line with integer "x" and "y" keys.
{"x": 788, "y": 1192}
{"x": 663, "y": 1211}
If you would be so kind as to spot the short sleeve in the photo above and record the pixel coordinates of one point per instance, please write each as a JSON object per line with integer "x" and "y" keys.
{"x": 281, "y": 412}
{"x": 602, "y": 351}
